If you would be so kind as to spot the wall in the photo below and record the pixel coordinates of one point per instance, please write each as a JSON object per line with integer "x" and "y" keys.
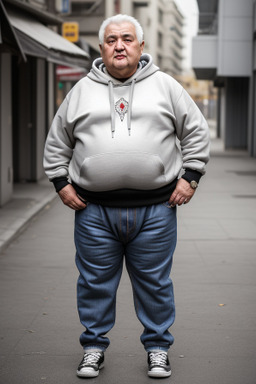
{"x": 236, "y": 122}
{"x": 41, "y": 118}
{"x": 29, "y": 119}
{"x": 235, "y": 38}
{"x": 6, "y": 187}
{"x": 252, "y": 105}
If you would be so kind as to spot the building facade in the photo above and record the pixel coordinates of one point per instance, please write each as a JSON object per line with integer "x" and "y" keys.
{"x": 161, "y": 21}
{"x": 224, "y": 51}
{"x": 30, "y": 48}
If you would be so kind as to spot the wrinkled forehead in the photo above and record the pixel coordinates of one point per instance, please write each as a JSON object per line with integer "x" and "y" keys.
{"x": 120, "y": 29}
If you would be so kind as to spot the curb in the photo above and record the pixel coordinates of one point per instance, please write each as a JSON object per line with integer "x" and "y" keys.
{"x": 21, "y": 224}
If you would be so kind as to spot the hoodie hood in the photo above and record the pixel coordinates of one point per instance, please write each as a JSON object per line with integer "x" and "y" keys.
{"x": 100, "y": 74}
{"x": 145, "y": 68}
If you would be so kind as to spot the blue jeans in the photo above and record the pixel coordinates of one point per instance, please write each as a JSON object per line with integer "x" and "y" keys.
{"x": 146, "y": 237}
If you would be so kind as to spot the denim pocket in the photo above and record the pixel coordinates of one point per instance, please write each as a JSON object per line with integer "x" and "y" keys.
{"x": 167, "y": 205}
{"x": 82, "y": 199}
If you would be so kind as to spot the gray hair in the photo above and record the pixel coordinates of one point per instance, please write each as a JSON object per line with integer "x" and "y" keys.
{"x": 118, "y": 19}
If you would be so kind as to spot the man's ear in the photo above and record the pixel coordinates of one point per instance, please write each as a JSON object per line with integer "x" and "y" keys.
{"x": 100, "y": 49}
{"x": 142, "y": 46}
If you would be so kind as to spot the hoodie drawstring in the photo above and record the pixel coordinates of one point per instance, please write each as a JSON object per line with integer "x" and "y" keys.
{"x": 129, "y": 113}
{"x": 112, "y": 106}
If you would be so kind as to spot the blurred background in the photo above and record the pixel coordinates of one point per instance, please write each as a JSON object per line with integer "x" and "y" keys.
{"x": 46, "y": 46}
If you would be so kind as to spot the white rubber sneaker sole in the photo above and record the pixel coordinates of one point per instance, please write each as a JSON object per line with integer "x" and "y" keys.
{"x": 158, "y": 372}
{"x": 89, "y": 372}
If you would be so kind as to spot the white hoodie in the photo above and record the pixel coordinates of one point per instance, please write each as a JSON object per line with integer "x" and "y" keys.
{"x": 110, "y": 135}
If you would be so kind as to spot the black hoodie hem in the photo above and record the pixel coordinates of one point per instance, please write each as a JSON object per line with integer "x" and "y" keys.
{"x": 127, "y": 198}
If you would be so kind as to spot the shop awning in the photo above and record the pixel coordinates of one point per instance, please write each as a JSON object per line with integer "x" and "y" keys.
{"x": 9, "y": 41}
{"x": 92, "y": 49}
{"x": 93, "y": 41}
{"x": 39, "y": 41}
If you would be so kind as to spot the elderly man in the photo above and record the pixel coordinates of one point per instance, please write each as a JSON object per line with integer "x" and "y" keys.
{"x": 113, "y": 156}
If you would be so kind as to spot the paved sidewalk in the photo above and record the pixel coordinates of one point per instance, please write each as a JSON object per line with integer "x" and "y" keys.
{"x": 28, "y": 200}
{"x": 214, "y": 279}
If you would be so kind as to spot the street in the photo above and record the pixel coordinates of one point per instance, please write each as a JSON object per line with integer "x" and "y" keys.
{"x": 214, "y": 281}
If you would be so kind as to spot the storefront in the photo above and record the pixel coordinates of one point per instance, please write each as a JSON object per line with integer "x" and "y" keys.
{"x": 30, "y": 52}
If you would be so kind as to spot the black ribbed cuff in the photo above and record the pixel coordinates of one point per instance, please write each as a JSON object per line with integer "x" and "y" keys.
{"x": 59, "y": 183}
{"x": 191, "y": 174}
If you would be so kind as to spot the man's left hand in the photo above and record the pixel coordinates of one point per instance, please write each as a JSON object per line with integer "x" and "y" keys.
{"x": 182, "y": 194}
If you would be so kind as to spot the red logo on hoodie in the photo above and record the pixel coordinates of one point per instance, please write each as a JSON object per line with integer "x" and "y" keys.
{"x": 121, "y": 107}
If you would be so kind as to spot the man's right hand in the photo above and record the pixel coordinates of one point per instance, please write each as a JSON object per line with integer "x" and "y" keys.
{"x": 69, "y": 197}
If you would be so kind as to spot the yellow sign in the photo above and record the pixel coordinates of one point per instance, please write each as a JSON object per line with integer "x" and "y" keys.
{"x": 70, "y": 31}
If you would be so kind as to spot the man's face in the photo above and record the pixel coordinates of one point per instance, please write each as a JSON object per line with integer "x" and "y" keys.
{"x": 121, "y": 50}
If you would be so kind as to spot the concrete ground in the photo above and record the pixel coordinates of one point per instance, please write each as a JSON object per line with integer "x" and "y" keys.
{"x": 214, "y": 277}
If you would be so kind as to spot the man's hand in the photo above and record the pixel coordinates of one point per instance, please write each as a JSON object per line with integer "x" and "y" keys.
{"x": 182, "y": 194}
{"x": 70, "y": 198}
